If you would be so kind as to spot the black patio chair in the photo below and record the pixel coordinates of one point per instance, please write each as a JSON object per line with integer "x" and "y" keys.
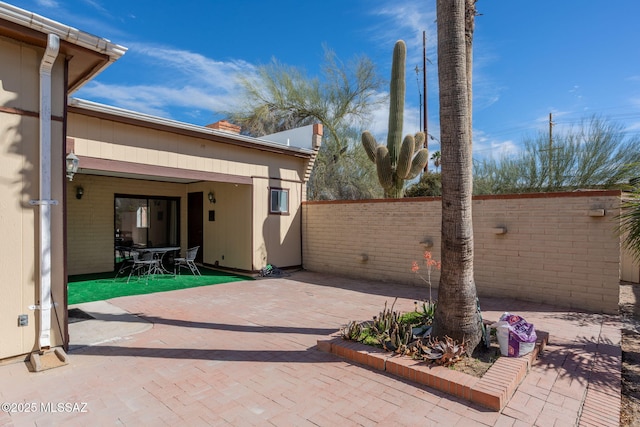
{"x": 188, "y": 261}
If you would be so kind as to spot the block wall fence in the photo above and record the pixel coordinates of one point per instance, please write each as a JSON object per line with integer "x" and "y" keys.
{"x": 555, "y": 248}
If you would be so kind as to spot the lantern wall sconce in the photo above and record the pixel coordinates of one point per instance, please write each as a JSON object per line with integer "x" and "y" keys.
{"x": 212, "y": 197}
{"x": 72, "y": 163}
{"x": 79, "y": 192}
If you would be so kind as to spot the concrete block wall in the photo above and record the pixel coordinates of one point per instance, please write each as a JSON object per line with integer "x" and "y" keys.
{"x": 550, "y": 248}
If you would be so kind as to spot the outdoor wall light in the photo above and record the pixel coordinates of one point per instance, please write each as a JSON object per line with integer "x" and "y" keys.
{"x": 499, "y": 230}
{"x": 72, "y": 165}
{"x": 79, "y": 192}
{"x": 212, "y": 197}
{"x": 427, "y": 243}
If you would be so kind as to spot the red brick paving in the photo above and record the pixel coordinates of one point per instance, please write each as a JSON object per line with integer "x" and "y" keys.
{"x": 245, "y": 354}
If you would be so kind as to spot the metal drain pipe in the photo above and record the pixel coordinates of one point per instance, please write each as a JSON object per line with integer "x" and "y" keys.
{"x": 45, "y": 202}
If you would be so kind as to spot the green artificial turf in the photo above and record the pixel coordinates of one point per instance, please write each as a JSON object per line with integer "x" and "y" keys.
{"x": 103, "y": 286}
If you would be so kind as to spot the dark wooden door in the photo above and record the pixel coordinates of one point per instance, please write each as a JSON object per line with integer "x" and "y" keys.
{"x": 195, "y": 222}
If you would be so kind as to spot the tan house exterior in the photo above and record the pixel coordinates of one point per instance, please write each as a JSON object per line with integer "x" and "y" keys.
{"x": 123, "y": 152}
{"x": 58, "y": 227}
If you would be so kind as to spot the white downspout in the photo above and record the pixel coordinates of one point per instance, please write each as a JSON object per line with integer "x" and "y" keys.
{"x": 45, "y": 202}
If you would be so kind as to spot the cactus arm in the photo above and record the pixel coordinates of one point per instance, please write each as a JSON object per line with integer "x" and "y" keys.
{"x": 369, "y": 143}
{"x": 419, "y": 161}
{"x": 396, "y": 100}
{"x": 404, "y": 157}
{"x": 383, "y": 165}
{"x": 420, "y": 139}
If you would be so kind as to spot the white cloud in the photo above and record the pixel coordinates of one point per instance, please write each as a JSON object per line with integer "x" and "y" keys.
{"x": 47, "y": 3}
{"x": 487, "y": 147}
{"x": 97, "y": 6}
{"x": 156, "y": 100}
{"x": 194, "y": 67}
{"x": 175, "y": 79}
{"x": 408, "y": 19}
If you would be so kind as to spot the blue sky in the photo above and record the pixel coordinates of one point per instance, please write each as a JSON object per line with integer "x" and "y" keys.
{"x": 572, "y": 58}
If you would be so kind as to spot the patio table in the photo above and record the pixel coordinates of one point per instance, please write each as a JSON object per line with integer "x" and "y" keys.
{"x": 159, "y": 253}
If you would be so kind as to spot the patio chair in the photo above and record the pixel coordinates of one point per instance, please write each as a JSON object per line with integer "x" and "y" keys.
{"x": 126, "y": 259}
{"x": 188, "y": 261}
{"x": 144, "y": 264}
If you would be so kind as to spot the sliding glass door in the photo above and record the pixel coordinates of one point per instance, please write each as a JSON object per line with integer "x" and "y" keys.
{"x": 142, "y": 221}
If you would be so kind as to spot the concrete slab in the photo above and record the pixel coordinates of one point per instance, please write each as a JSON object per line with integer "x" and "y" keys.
{"x": 110, "y": 323}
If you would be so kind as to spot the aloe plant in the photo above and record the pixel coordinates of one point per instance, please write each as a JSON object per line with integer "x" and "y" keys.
{"x": 401, "y": 159}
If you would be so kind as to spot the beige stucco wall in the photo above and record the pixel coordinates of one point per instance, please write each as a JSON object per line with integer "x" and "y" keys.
{"x": 111, "y": 140}
{"x": 243, "y": 236}
{"x": 227, "y": 239}
{"x": 552, "y": 252}
{"x": 19, "y": 183}
{"x": 277, "y": 240}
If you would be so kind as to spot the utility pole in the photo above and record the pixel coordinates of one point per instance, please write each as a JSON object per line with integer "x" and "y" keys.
{"x": 550, "y": 147}
{"x": 424, "y": 88}
{"x": 419, "y": 94}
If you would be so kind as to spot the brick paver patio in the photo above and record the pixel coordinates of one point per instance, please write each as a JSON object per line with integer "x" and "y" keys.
{"x": 244, "y": 354}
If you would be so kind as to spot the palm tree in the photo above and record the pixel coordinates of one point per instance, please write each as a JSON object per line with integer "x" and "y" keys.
{"x": 456, "y": 313}
{"x": 436, "y": 159}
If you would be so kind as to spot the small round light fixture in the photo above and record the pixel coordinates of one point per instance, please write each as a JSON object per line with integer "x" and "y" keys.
{"x": 79, "y": 192}
{"x": 212, "y": 197}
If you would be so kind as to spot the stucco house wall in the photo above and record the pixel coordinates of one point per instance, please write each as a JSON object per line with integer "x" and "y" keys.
{"x": 161, "y": 162}
{"x": 19, "y": 183}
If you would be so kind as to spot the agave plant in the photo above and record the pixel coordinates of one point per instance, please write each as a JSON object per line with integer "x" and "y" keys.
{"x": 444, "y": 352}
{"x": 428, "y": 311}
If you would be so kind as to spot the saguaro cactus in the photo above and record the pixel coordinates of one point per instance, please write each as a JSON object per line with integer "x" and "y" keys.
{"x": 400, "y": 159}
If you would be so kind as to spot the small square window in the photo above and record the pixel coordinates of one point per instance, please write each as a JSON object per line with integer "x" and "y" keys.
{"x": 279, "y": 201}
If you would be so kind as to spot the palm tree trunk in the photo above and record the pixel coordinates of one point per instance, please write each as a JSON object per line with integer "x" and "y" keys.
{"x": 456, "y": 313}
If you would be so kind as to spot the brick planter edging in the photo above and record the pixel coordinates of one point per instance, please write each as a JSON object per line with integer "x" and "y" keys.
{"x": 492, "y": 391}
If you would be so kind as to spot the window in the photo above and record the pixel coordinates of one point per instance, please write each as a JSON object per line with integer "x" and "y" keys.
{"x": 143, "y": 221}
{"x": 279, "y": 203}
{"x": 141, "y": 217}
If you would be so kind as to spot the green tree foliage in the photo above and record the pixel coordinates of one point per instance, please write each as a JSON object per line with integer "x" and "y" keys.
{"x": 596, "y": 155}
{"x": 430, "y": 185}
{"x": 281, "y": 97}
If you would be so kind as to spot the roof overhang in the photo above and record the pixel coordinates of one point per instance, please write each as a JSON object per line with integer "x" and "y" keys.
{"x": 120, "y": 115}
{"x": 120, "y": 169}
{"x": 86, "y": 54}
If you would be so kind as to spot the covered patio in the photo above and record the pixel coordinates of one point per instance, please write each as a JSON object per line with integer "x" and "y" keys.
{"x": 148, "y": 182}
